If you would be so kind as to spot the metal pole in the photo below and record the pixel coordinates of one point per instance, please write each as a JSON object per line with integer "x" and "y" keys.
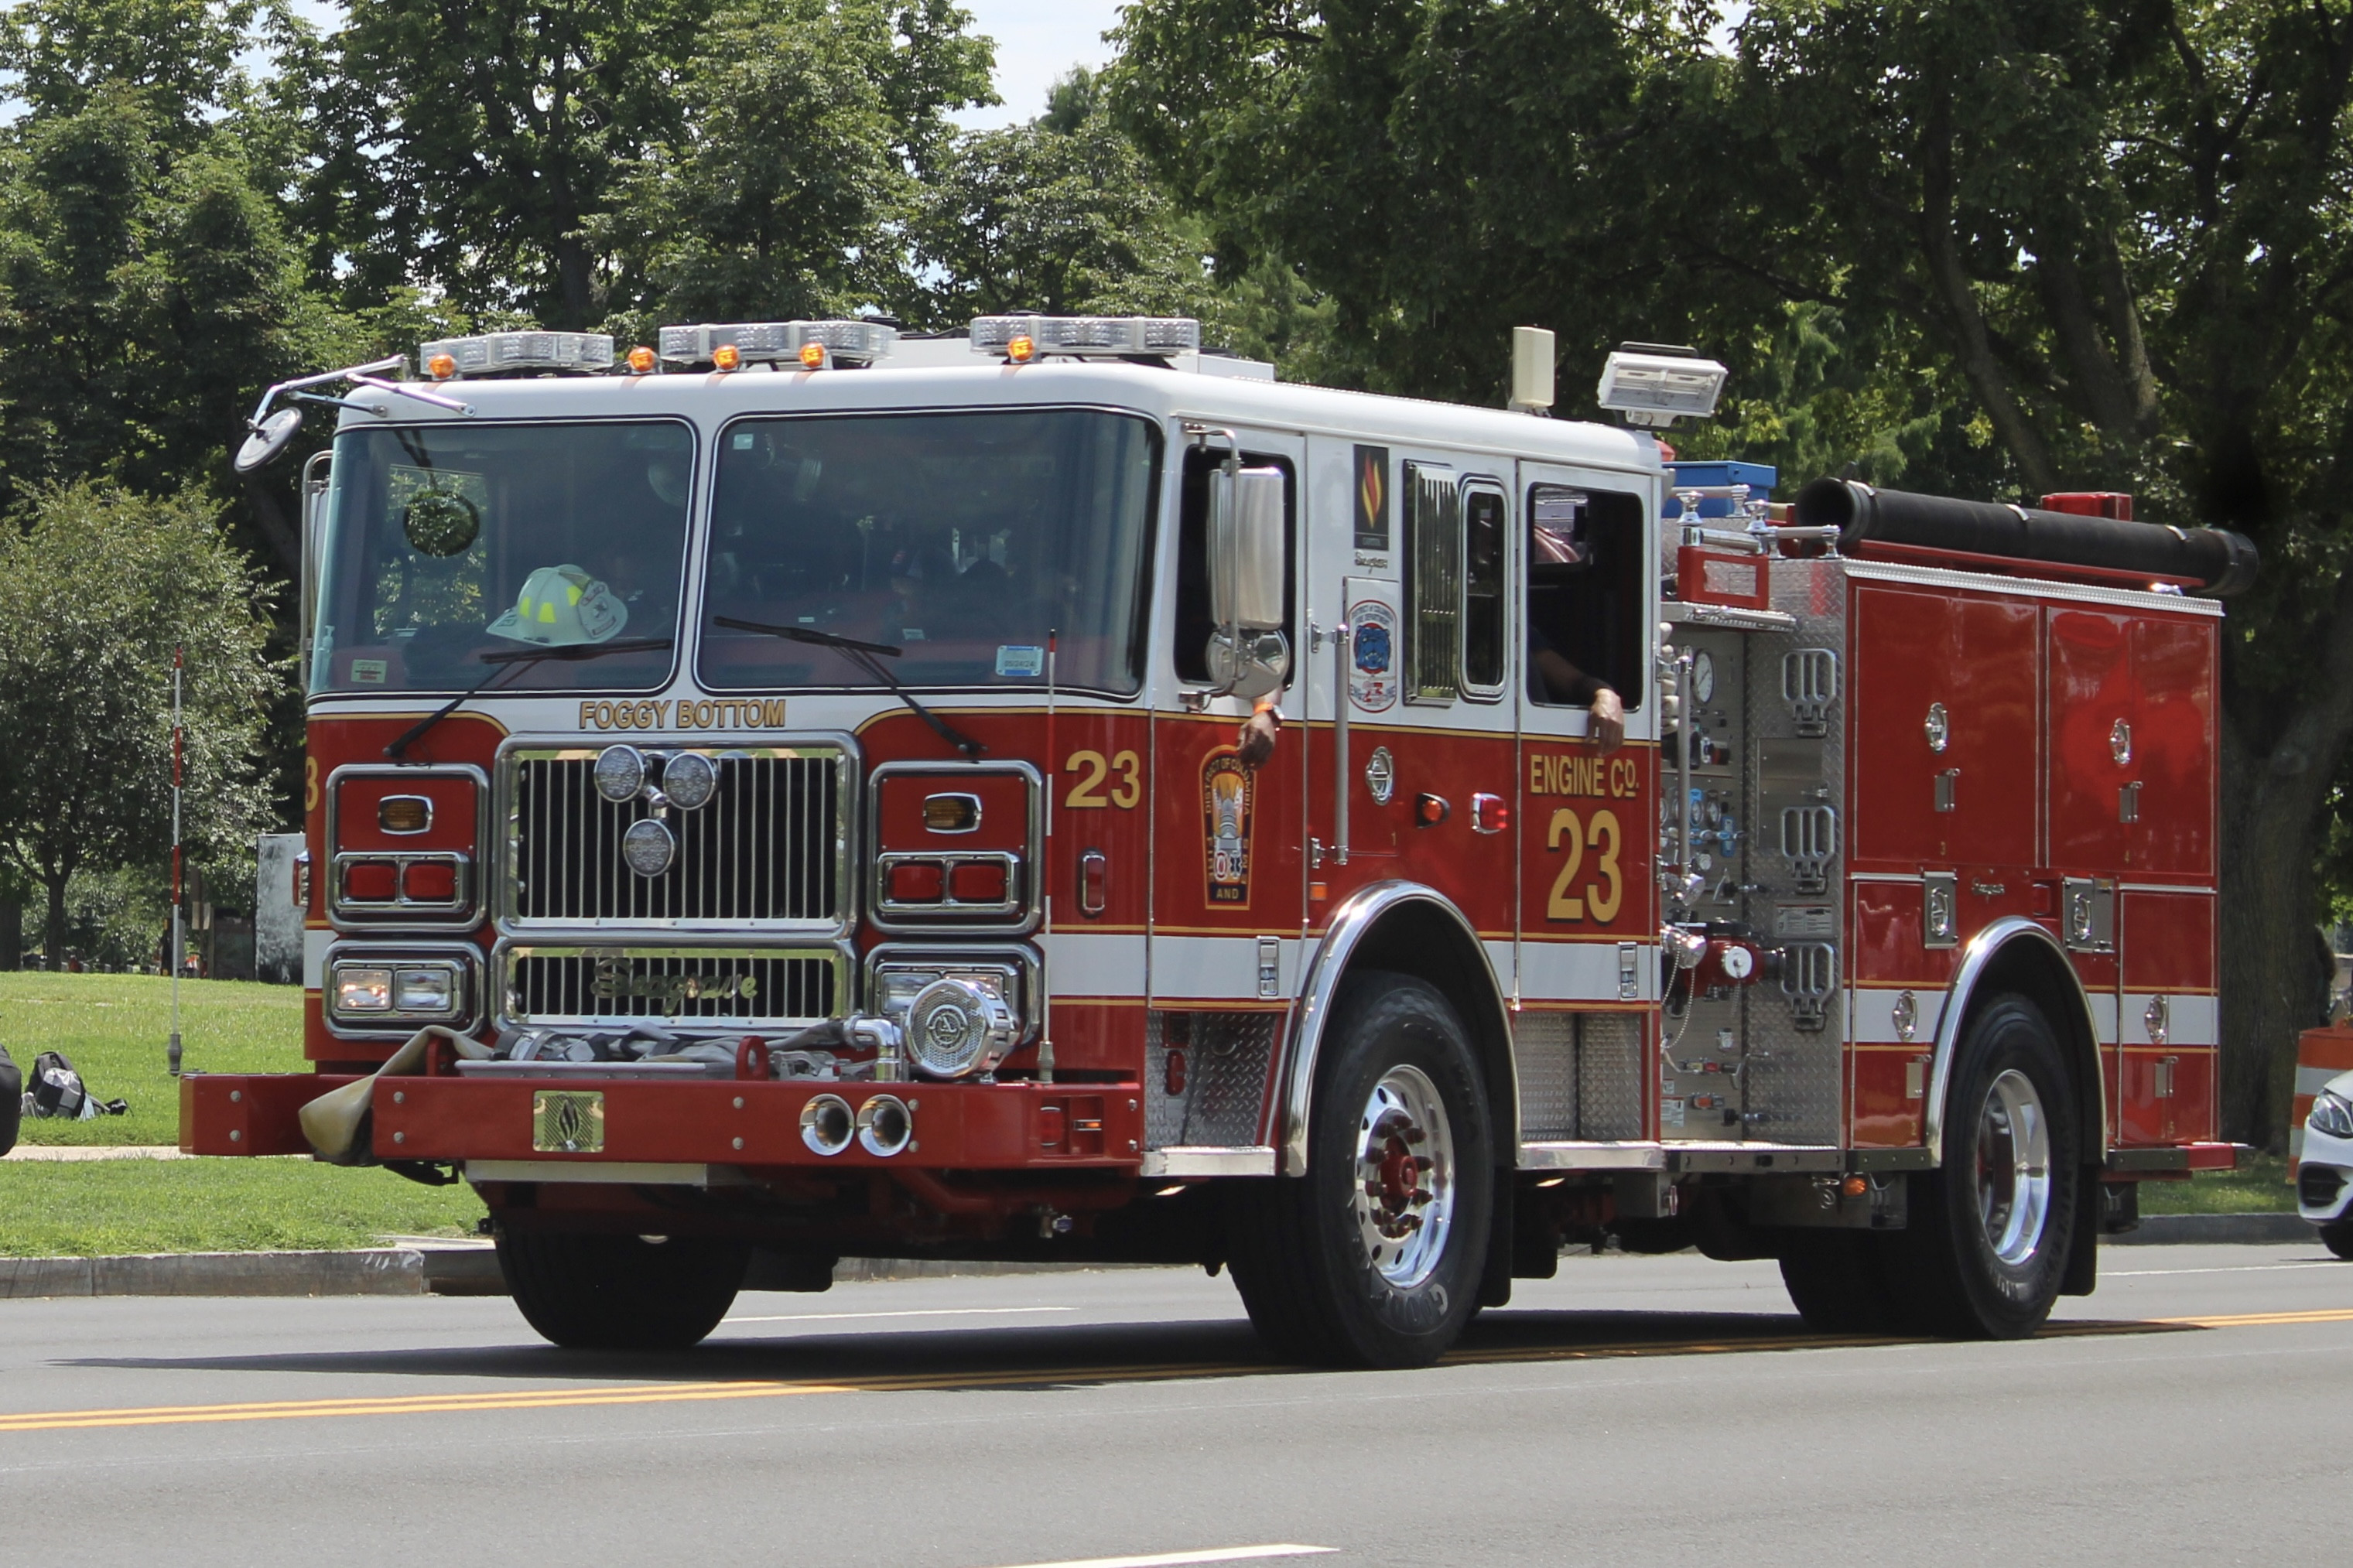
{"x": 171, "y": 1051}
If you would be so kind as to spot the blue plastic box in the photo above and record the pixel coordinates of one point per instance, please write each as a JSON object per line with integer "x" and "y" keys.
{"x": 1760, "y": 478}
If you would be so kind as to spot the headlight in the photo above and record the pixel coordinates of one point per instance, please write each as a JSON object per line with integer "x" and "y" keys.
{"x": 424, "y": 990}
{"x": 362, "y": 990}
{"x": 2331, "y": 1113}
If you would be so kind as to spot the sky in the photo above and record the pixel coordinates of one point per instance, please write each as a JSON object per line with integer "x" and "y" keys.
{"x": 1037, "y": 41}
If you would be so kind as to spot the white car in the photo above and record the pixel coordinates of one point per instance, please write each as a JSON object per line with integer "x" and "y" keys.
{"x": 2323, "y": 1183}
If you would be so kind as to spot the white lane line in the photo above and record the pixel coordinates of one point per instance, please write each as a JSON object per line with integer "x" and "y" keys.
{"x": 2218, "y": 1268}
{"x": 1173, "y": 1559}
{"x": 916, "y": 1312}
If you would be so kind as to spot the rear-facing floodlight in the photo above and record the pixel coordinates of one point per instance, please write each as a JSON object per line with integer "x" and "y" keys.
{"x": 1654, "y": 385}
{"x": 779, "y": 343}
{"x": 1109, "y": 336}
{"x": 493, "y": 354}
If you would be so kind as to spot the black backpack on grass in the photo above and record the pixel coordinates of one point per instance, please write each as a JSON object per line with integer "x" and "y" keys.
{"x": 58, "y": 1091}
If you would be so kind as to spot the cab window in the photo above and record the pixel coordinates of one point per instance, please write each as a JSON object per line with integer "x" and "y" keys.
{"x": 1585, "y": 594}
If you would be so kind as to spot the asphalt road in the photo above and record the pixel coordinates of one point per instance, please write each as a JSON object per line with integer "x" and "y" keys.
{"x": 2199, "y": 1408}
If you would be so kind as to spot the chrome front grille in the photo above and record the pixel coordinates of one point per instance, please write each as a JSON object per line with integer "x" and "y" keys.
{"x": 679, "y": 986}
{"x": 769, "y": 851}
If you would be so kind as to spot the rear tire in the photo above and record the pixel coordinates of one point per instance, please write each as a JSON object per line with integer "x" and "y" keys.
{"x": 622, "y": 1292}
{"x": 2338, "y": 1237}
{"x": 1838, "y": 1282}
{"x": 1986, "y": 1251}
{"x": 1374, "y": 1256}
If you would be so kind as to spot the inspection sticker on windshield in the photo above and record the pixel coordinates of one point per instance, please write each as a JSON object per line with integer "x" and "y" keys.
{"x": 1014, "y": 659}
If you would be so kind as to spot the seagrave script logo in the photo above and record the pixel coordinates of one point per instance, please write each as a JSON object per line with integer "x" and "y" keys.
{"x": 618, "y": 979}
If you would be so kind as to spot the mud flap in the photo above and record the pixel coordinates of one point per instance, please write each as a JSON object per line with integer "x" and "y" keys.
{"x": 2083, "y": 1276}
{"x": 1495, "y": 1278}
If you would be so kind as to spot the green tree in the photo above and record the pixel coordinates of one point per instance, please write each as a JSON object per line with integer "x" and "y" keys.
{"x": 785, "y": 193}
{"x": 1059, "y": 214}
{"x": 550, "y": 159}
{"x": 97, "y": 591}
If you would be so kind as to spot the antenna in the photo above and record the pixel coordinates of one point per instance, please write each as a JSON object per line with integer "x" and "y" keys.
{"x": 172, "y": 1050}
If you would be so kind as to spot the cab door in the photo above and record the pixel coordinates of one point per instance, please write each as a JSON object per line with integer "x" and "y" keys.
{"x": 1229, "y": 839}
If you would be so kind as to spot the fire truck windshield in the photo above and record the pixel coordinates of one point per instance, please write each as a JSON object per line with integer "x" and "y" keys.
{"x": 960, "y": 539}
{"x": 448, "y": 543}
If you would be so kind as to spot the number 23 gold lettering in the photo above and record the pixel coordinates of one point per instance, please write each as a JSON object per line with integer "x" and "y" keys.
{"x": 1093, "y": 768}
{"x": 1602, "y": 836}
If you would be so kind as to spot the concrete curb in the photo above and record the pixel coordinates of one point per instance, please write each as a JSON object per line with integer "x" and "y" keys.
{"x": 2173, "y": 1229}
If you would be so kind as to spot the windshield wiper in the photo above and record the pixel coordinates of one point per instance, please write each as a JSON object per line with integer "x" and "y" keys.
{"x": 502, "y": 660}
{"x": 862, "y": 654}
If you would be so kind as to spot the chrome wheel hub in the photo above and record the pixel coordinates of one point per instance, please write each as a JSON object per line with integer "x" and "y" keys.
{"x": 2013, "y": 1167}
{"x": 1405, "y": 1188}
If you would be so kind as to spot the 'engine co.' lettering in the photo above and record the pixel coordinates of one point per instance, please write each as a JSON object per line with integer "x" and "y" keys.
{"x": 1579, "y": 773}
{"x": 686, "y": 714}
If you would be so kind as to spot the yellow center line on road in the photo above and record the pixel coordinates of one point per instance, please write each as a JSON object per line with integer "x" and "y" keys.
{"x": 1023, "y": 1377}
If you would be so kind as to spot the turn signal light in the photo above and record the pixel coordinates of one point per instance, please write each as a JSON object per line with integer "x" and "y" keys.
{"x": 641, "y": 359}
{"x": 978, "y": 882}
{"x": 1429, "y": 810}
{"x": 951, "y": 813}
{"x": 441, "y": 367}
{"x": 429, "y": 882}
{"x": 370, "y": 882}
{"x": 1021, "y": 350}
{"x": 404, "y": 814}
{"x": 726, "y": 356}
{"x": 813, "y": 356}
{"x": 918, "y": 882}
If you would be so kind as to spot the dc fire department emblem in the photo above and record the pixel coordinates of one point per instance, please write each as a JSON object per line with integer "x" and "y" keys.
{"x": 1228, "y": 799}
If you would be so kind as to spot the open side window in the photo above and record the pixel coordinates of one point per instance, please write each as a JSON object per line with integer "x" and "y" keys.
{"x": 1584, "y": 590}
{"x": 1434, "y": 584}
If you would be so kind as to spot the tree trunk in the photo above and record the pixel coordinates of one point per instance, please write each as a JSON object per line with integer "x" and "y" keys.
{"x": 53, "y": 927}
{"x": 2271, "y": 985}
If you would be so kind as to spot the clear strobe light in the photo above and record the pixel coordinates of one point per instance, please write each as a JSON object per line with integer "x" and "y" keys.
{"x": 1088, "y": 334}
{"x": 778, "y": 342}
{"x": 491, "y": 353}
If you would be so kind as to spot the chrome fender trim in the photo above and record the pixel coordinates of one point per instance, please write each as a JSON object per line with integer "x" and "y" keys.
{"x": 1356, "y": 916}
{"x": 1980, "y": 952}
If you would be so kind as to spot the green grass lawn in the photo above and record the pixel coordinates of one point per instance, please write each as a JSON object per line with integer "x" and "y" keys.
{"x": 115, "y": 1028}
{"x": 2261, "y": 1186}
{"x": 90, "y": 1208}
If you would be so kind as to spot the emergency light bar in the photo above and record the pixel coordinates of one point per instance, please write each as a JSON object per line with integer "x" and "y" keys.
{"x": 771, "y": 342}
{"x": 492, "y": 353}
{"x": 1085, "y": 335}
{"x": 1654, "y": 385}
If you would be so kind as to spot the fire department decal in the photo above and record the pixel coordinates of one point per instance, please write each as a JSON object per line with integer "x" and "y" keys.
{"x": 1372, "y": 656}
{"x": 1229, "y": 801}
{"x": 1372, "y": 498}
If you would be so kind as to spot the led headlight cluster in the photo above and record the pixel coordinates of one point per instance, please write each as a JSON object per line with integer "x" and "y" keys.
{"x": 688, "y": 780}
{"x": 2332, "y": 1113}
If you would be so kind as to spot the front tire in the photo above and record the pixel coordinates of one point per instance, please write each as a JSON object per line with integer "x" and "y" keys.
{"x": 1374, "y": 1256}
{"x": 1986, "y": 1251}
{"x": 2338, "y": 1237}
{"x": 622, "y": 1292}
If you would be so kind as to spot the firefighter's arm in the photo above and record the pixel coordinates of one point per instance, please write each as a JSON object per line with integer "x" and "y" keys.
{"x": 1256, "y": 741}
{"x": 1608, "y": 727}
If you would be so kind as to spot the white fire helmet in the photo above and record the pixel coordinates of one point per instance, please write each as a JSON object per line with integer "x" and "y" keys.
{"x": 562, "y": 606}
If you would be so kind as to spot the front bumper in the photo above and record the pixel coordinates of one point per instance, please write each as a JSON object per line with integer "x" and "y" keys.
{"x": 2324, "y": 1186}
{"x": 737, "y": 1124}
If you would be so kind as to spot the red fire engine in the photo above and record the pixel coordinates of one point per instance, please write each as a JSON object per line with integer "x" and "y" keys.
{"x": 1054, "y": 793}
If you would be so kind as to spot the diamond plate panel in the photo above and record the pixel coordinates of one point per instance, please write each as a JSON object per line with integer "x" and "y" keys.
{"x": 1227, "y": 1057}
{"x": 1609, "y": 1071}
{"x": 1544, "y": 1049}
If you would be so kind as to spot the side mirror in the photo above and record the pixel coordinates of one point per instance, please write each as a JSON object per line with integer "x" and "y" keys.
{"x": 1246, "y": 549}
{"x": 269, "y": 437}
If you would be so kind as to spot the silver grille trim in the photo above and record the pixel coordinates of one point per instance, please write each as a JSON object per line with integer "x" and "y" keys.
{"x": 768, "y": 853}
{"x": 685, "y": 988}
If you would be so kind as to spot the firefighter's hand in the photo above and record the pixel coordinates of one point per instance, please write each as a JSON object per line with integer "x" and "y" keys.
{"x": 1256, "y": 741}
{"x": 1609, "y": 727}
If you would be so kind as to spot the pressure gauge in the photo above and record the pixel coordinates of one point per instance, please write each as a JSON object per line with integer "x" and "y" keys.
{"x": 1702, "y": 677}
